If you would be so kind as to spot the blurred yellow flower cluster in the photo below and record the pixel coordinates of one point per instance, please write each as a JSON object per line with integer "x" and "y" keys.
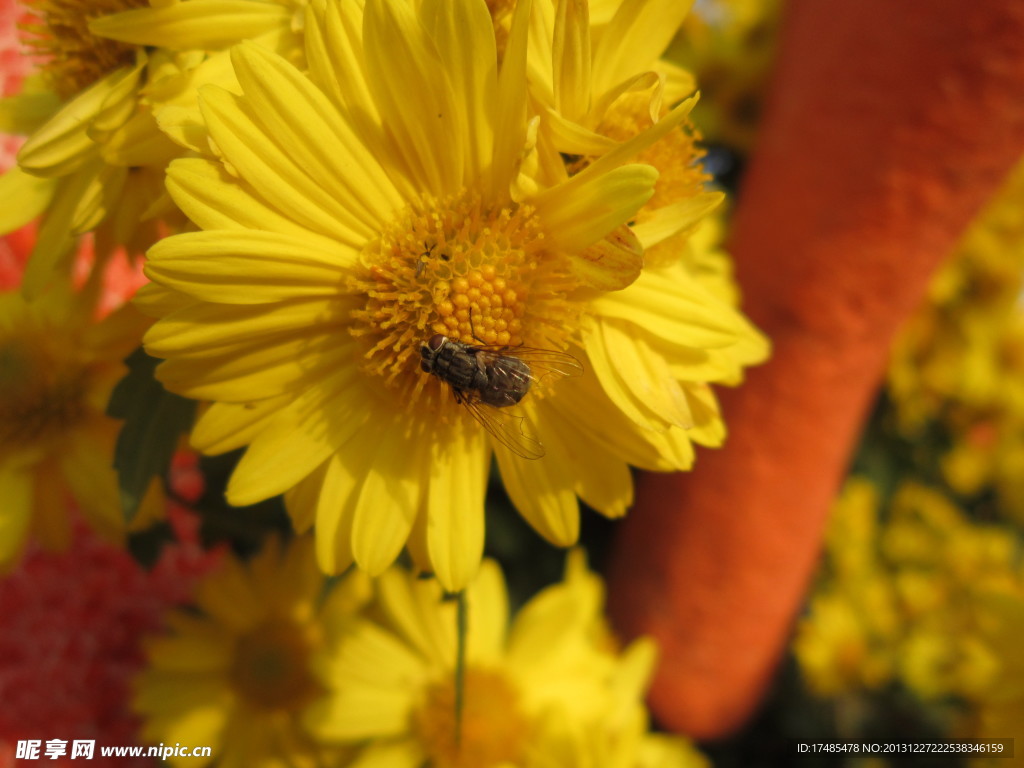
{"x": 960, "y": 360}
{"x": 909, "y": 594}
{"x": 729, "y": 46}
{"x": 279, "y": 668}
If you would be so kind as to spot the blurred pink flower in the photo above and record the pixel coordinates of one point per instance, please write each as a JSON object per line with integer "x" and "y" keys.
{"x": 71, "y": 632}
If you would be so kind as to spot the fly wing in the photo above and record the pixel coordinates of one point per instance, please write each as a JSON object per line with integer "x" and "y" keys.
{"x": 545, "y": 365}
{"x": 505, "y": 426}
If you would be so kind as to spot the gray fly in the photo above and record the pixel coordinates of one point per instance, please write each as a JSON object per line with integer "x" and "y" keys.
{"x": 488, "y": 380}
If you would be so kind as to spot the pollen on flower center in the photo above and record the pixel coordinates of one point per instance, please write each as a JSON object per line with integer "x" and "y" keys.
{"x": 456, "y": 268}
{"x": 41, "y": 394}
{"x": 73, "y": 57}
{"x": 492, "y": 731}
{"x": 271, "y": 667}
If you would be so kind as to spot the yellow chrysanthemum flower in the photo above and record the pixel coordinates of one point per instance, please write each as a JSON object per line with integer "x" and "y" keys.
{"x": 95, "y": 158}
{"x": 58, "y": 366}
{"x": 238, "y": 675}
{"x": 352, "y": 216}
{"x": 549, "y": 690}
{"x": 600, "y": 85}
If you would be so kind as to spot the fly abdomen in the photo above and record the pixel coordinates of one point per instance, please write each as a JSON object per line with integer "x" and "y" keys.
{"x": 507, "y": 381}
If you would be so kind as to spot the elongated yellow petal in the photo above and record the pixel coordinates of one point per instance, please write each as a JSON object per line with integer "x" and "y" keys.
{"x": 277, "y": 176}
{"x": 216, "y": 326}
{"x": 677, "y": 217}
{"x": 250, "y": 266}
{"x": 464, "y": 35}
{"x": 636, "y": 37}
{"x": 299, "y": 116}
{"x": 261, "y": 368}
{"x": 28, "y": 195}
{"x": 207, "y": 25}
{"x": 414, "y": 96}
{"x": 510, "y": 128}
{"x": 583, "y": 215}
{"x": 63, "y": 144}
{"x": 572, "y": 59}
{"x": 213, "y": 199}
{"x": 389, "y": 499}
{"x": 374, "y": 695}
{"x": 223, "y": 427}
{"x": 300, "y": 439}
{"x": 455, "y": 507}
{"x": 543, "y": 494}
{"x": 677, "y": 311}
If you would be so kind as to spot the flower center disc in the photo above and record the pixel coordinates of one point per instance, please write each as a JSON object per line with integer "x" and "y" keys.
{"x": 493, "y": 730}
{"x": 39, "y": 398}
{"x": 271, "y": 667}
{"x": 452, "y": 267}
{"x": 74, "y": 57}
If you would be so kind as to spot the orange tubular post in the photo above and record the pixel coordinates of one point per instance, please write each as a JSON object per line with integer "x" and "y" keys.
{"x": 889, "y": 125}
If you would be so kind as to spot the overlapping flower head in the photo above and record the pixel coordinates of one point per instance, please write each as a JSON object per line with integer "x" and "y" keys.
{"x": 351, "y": 215}
{"x": 551, "y": 688}
{"x": 237, "y": 673}
{"x": 95, "y": 157}
{"x": 59, "y": 363}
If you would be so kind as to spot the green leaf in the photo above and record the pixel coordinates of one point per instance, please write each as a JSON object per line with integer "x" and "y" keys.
{"x": 153, "y": 420}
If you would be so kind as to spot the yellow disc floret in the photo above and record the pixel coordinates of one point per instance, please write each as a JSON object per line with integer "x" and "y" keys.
{"x": 457, "y": 268}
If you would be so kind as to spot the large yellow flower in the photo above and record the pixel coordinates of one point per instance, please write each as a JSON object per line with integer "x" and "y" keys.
{"x": 237, "y": 675}
{"x": 58, "y": 366}
{"x": 351, "y": 216}
{"x": 95, "y": 158}
{"x": 550, "y": 689}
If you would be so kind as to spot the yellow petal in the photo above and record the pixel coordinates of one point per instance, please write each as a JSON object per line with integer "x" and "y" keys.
{"x": 572, "y": 59}
{"x": 27, "y": 196}
{"x": 207, "y": 25}
{"x": 414, "y": 97}
{"x": 250, "y": 266}
{"x": 677, "y": 217}
{"x": 577, "y": 215}
{"x": 510, "y": 125}
{"x": 389, "y": 498}
{"x": 635, "y": 39}
{"x": 63, "y": 143}
{"x": 464, "y": 35}
{"x": 373, "y": 677}
{"x": 223, "y": 427}
{"x": 299, "y": 116}
{"x": 213, "y": 199}
{"x": 455, "y": 507}
{"x": 610, "y": 264}
{"x": 214, "y": 327}
{"x": 541, "y": 490}
{"x": 274, "y": 173}
{"x": 299, "y": 440}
